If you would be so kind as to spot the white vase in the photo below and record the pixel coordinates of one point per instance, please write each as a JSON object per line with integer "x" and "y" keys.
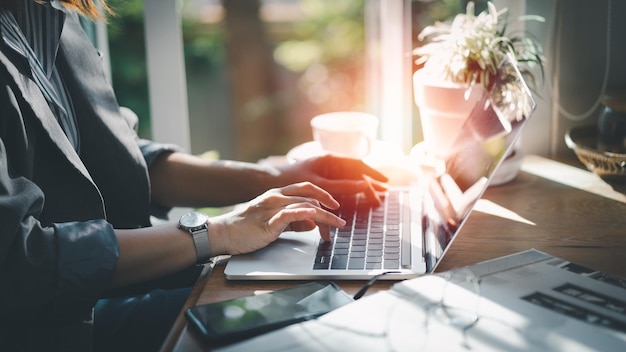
{"x": 443, "y": 107}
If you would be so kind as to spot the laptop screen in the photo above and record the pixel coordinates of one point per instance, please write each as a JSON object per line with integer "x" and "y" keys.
{"x": 484, "y": 141}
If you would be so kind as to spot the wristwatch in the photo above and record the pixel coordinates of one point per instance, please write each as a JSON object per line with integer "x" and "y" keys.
{"x": 197, "y": 224}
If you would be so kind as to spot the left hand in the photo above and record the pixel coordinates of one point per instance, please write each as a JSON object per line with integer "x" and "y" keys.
{"x": 338, "y": 175}
{"x": 296, "y": 207}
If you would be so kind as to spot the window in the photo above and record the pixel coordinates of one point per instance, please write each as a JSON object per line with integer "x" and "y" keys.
{"x": 255, "y": 72}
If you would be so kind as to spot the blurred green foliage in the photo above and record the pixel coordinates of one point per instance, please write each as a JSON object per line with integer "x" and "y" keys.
{"x": 331, "y": 36}
{"x": 332, "y": 32}
{"x": 128, "y": 59}
{"x": 128, "y": 55}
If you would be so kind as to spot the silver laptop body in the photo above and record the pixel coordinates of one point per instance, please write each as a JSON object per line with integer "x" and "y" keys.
{"x": 431, "y": 211}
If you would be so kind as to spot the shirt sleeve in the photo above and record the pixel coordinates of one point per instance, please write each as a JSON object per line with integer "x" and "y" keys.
{"x": 54, "y": 272}
{"x": 151, "y": 151}
{"x": 87, "y": 255}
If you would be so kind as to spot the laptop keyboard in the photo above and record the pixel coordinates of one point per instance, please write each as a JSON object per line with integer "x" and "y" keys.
{"x": 373, "y": 238}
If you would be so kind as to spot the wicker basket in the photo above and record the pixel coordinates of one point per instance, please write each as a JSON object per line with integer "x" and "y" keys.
{"x": 584, "y": 141}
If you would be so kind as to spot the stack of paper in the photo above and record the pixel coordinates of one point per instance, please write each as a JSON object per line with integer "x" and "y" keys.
{"x": 530, "y": 301}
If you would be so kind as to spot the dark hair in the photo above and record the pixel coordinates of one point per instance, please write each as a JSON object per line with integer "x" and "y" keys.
{"x": 87, "y": 8}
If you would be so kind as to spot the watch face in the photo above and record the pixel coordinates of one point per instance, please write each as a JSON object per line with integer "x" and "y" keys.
{"x": 192, "y": 220}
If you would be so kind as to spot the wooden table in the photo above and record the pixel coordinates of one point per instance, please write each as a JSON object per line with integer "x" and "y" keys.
{"x": 550, "y": 206}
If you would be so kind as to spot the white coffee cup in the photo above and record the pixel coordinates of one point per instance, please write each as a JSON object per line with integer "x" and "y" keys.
{"x": 345, "y": 133}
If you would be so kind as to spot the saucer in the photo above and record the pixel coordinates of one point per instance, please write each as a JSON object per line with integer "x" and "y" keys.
{"x": 304, "y": 151}
{"x": 506, "y": 172}
{"x": 381, "y": 152}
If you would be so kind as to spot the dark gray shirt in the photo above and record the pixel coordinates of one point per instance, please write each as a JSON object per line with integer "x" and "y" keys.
{"x": 34, "y": 32}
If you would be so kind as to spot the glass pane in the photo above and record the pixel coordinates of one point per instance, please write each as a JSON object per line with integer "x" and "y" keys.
{"x": 258, "y": 70}
{"x": 128, "y": 59}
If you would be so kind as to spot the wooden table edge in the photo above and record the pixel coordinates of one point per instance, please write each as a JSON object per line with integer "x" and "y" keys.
{"x": 174, "y": 334}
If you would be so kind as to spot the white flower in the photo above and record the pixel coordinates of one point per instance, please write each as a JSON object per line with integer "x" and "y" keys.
{"x": 471, "y": 49}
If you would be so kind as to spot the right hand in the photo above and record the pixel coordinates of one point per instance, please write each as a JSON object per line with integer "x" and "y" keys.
{"x": 338, "y": 175}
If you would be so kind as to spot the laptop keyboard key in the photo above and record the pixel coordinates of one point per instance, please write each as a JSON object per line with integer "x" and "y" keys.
{"x": 321, "y": 263}
{"x": 356, "y": 263}
{"x": 373, "y": 238}
{"x": 391, "y": 264}
{"x": 341, "y": 251}
{"x": 373, "y": 266}
{"x": 357, "y": 249}
{"x": 339, "y": 262}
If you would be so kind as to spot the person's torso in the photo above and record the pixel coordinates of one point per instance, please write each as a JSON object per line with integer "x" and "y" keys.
{"x": 106, "y": 176}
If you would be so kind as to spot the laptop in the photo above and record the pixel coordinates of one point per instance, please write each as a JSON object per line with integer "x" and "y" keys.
{"x": 412, "y": 230}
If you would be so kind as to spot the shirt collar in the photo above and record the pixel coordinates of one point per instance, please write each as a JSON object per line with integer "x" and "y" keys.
{"x": 38, "y": 23}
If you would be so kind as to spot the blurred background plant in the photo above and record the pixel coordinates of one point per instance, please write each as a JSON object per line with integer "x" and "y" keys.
{"x": 258, "y": 70}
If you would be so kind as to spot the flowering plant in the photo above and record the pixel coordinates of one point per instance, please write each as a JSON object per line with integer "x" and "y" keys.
{"x": 471, "y": 50}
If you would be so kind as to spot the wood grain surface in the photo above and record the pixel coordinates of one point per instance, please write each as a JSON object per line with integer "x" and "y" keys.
{"x": 561, "y": 218}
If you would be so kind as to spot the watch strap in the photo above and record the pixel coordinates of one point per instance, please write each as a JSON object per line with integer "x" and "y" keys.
{"x": 203, "y": 247}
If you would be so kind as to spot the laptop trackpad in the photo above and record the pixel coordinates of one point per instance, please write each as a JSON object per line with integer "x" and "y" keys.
{"x": 287, "y": 255}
